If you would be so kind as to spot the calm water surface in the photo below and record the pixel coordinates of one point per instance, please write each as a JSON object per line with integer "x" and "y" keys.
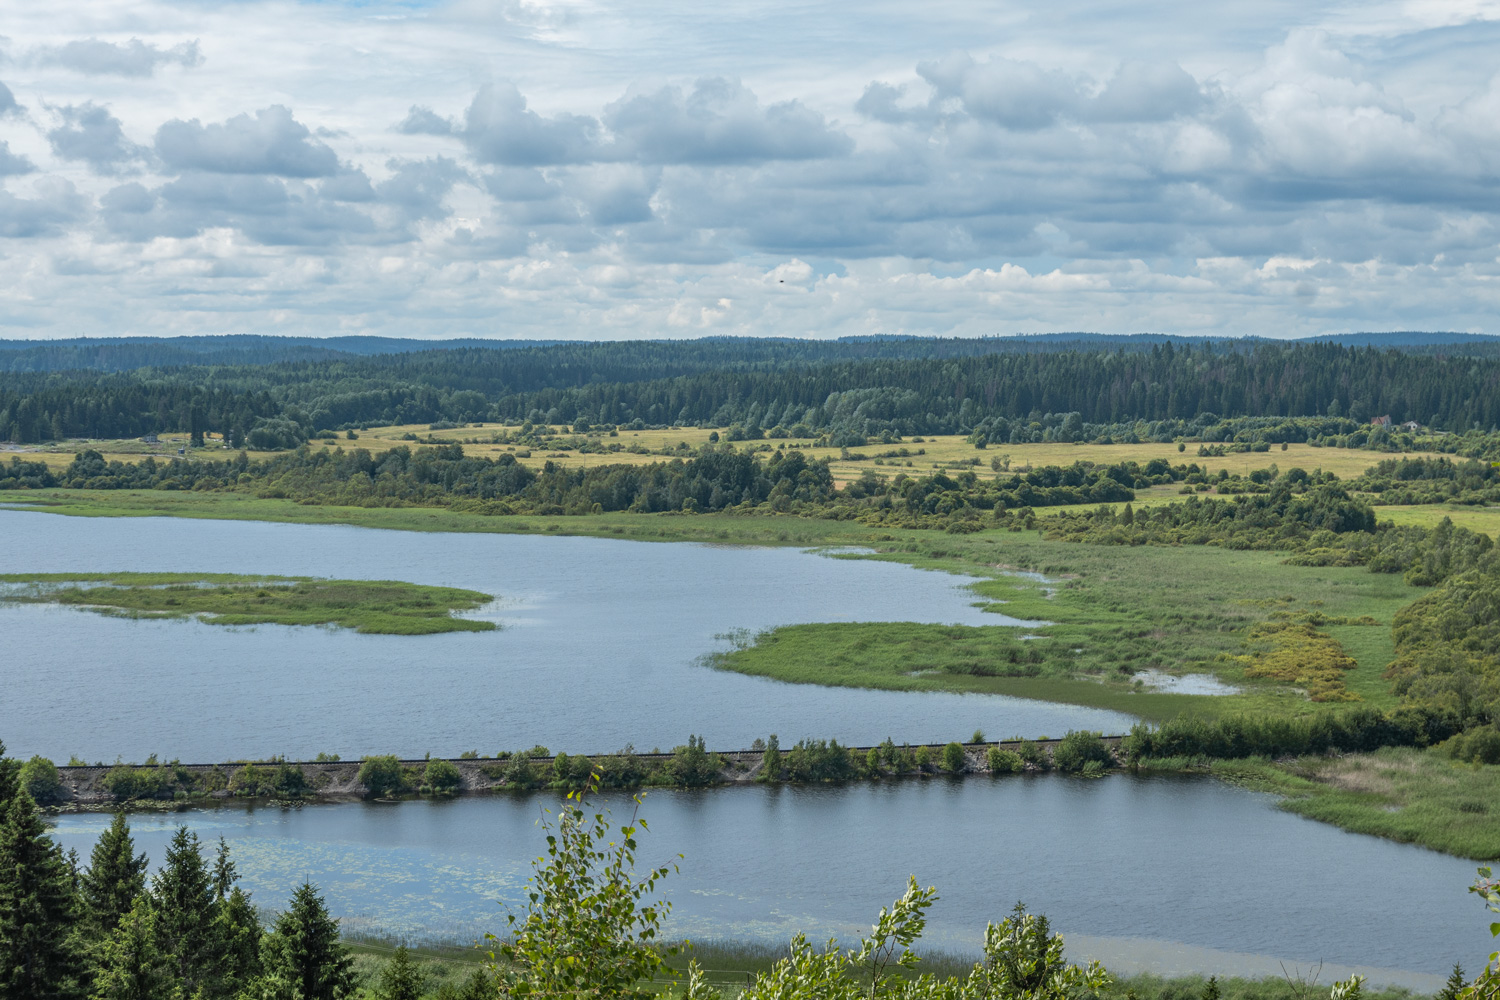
{"x": 1171, "y": 874}
{"x": 599, "y": 649}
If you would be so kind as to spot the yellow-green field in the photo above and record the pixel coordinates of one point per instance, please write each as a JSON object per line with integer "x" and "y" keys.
{"x": 947, "y": 452}
{"x": 1481, "y": 519}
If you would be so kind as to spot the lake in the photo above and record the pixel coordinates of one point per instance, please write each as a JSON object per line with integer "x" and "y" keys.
{"x": 1171, "y": 874}
{"x": 600, "y": 649}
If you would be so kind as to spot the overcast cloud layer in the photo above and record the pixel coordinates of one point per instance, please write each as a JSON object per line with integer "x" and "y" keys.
{"x": 579, "y": 169}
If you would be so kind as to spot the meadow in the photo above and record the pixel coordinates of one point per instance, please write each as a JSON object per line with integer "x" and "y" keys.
{"x": 1413, "y": 796}
{"x": 913, "y": 456}
{"x": 1109, "y": 613}
{"x": 384, "y": 607}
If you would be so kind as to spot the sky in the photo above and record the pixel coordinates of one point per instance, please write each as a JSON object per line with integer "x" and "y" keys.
{"x": 594, "y": 170}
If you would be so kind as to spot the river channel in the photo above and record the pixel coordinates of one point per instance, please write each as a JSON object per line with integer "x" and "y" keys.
{"x": 1159, "y": 873}
{"x": 600, "y": 648}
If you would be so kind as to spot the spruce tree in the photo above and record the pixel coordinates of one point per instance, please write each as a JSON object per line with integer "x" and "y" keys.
{"x": 400, "y": 979}
{"x": 131, "y": 963}
{"x": 183, "y": 896}
{"x": 10, "y": 779}
{"x": 40, "y": 956}
{"x": 225, "y": 875}
{"x": 237, "y": 932}
{"x": 480, "y": 985}
{"x": 116, "y": 876}
{"x": 1455, "y": 985}
{"x": 1211, "y": 988}
{"x": 304, "y": 950}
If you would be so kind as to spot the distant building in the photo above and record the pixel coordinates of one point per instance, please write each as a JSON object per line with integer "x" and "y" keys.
{"x": 1381, "y": 421}
{"x": 151, "y": 439}
{"x": 1411, "y": 425}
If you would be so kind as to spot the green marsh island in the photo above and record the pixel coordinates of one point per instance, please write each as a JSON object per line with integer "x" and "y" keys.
{"x": 384, "y": 607}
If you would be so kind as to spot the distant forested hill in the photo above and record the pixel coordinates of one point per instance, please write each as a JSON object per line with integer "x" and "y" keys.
{"x": 850, "y": 389}
{"x": 128, "y": 353}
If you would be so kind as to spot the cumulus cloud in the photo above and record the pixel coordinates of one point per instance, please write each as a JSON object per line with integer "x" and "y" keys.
{"x": 8, "y": 105}
{"x": 418, "y": 187}
{"x": 132, "y": 58}
{"x": 616, "y": 194}
{"x": 57, "y": 203}
{"x": 348, "y": 185}
{"x": 500, "y": 129}
{"x": 719, "y": 121}
{"x": 1146, "y": 92}
{"x": 12, "y": 163}
{"x": 424, "y": 121}
{"x": 1014, "y": 93}
{"x": 269, "y": 142}
{"x": 265, "y": 209}
{"x": 92, "y": 134}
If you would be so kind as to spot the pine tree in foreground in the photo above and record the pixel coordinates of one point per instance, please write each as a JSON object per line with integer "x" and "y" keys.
{"x": 115, "y": 877}
{"x": 132, "y": 965}
{"x": 480, "y": 985}
{"x": 401, "y": 979}
{"x": 304, "y": 950}
{"x": 1454, "y": 986}
{"x": 183, "y": 896}
{"x": 40, "y": 955}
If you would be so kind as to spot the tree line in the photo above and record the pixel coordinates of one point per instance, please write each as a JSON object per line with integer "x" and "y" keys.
{"x": 846, "y": 392}
{"x": 714, "y": 478}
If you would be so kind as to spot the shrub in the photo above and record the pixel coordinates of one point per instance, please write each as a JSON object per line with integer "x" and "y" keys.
{"x": 124, "y": 782}
{"x": 252, "y": 781}
{"x": 1078, "y": 749}
{"x": 1477, "y": 746}
{"x": 40, "y": 778}
{"x": 924, "y": 758}
{"x": 1234, "y": 736}
{"x": 770, "y": 769}
{"x": 441, "y": 777}
{"x": 620, "y": 770}
{"x": 284, "y": 781}
{"x": 817, "y": 760}
{"x": 290, "y": 782}
{"x": 954, "y": 758}
{"x": 692, "y": 765}
{"x": 1004, "y": 761}
{"x": 382, "y": 775}
{"x": 1033, "y": 754}
{"x": 521, "y": 773}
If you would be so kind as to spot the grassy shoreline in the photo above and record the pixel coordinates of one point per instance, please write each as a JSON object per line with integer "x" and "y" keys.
{"x": 1411, "y": 796}
{"x": 381, "y": 607}
{"x": 1170, "y": 609}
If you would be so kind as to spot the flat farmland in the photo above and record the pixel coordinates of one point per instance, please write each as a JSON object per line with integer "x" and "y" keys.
{"x": 913, "y": 456}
